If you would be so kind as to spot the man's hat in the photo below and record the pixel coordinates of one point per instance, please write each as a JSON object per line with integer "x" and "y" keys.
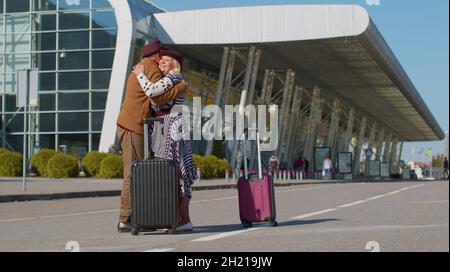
{"x": 151, "y": 48}
{"x": 173, "y": 54}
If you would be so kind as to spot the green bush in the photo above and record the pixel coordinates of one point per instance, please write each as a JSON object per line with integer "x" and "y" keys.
{"x": 198, "y": 160}
{"x": 91, "y": 162}
{"x": 111, "y": 167}
{"x": 40, "y": 160}
{"x": 62, "y": 166}
{"x": 211, "y": 166}
{"x": 4, "y": 150}
{"x": 223, "y": 166}
{"x": 11, "y": 164}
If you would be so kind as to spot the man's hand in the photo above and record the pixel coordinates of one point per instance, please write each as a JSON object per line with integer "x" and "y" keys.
{"x": 138, "y": 68}
{"x": 185, "y": 85}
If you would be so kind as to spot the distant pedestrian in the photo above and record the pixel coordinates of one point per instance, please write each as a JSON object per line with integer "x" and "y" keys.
{"x": 273, "y": 164}
{"x": 327, "y": 168}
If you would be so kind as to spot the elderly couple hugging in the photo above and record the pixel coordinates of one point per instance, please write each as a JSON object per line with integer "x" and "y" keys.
{"x": 153, "y": 89}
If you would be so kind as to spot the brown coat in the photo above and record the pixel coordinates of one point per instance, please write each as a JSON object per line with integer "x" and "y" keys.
{"x": 136, "y": 105}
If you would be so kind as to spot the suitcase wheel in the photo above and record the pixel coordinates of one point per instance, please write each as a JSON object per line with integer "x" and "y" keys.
{"x": 246, "y": 224}
{"x": 273, "y": 223}
{"x": 134, "y": 231}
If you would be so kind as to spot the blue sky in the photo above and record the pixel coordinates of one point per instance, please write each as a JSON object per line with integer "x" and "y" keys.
{"x": 416, "y": 30}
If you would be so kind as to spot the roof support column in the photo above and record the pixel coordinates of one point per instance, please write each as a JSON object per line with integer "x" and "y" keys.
{"x": 400, "y": 152}
{"x": 284, "y": 117}
{"x": 220, "y": 99}
{"x": 387, "y": 148}
{"x": 237, "y": 154}
{"x": 294, "y": 122}
{"x": 348, "y": 134}
{"x": 334, "y": 126}
{"x": 393, "y": 156}
{"x": 373, "y": 131}
{"x": 358, "y": 145}
{"x": 315, "y": 117}
{"x": 379, "y": 145}
{"x": 254, "y": 75}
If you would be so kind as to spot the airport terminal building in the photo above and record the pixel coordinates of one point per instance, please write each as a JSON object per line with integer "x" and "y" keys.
{"x": 328, "y": 68}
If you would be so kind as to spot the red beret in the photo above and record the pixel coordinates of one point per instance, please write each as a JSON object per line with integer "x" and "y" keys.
{"x": 151, "y": 48}
{"x": 173, "y": 54}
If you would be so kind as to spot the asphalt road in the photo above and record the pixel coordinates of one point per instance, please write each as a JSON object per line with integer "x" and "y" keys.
{"x": 410, "y": 216}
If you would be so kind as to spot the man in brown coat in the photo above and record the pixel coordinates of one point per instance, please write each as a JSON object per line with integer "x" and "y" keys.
{"x": 130, "y": 130}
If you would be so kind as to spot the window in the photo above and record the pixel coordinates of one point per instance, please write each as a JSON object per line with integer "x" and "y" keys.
{"x": 46, "y": 102}
{"x": 46, "y": 61}
{"x": 14, "y": 142}
{"x": 99, "y": 100}
{"x": 46, "y": 141}
{"x": 17, "y": 6}
{"x": 95, "y": 141}
{"x": 73, "y": 60}
{"x": 73, "y": 101}
{"x": 74, "y": 40}
{"x": 44, "y": 5}
{"x": 100, "y": 79}
{"x": 46, "y": 41}
{"x": 100, "y": 4}
{"x": 104, "y": 38}
{"x": 76, "y": 144}
{"x": 103, "y": 19}
{"x": 47, "y": 81}
{"x": 46, "y": 122}
{"x": 73, "y": 121}
{"x": 46, "y": 22}
{"x": 74, "y": 4}
{"x": 15, "y": 122}
{"x": 74, "y": 20}
{"x": 102, "y": 59}
{"x": 74, "y": 81}
{"x": 97, "y": 121}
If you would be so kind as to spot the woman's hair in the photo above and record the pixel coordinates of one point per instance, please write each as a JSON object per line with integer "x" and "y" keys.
{"x": 176, "y": 65}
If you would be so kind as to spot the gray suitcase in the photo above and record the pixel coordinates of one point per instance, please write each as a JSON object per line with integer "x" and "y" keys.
{"x": 155, "y": 191}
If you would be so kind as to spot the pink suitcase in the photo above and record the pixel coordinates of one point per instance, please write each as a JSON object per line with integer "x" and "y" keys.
{"x": 256, "y": 196}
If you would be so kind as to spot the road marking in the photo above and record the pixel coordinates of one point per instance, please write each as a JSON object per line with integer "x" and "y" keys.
{"x": 353, "y": 203}
{"x": 313, "y": 214}
{"x": 57, "y": 216}
{"x": 223, "y": 235}
{"x": 376, "y": 197}
{"x": 160, "y": 250}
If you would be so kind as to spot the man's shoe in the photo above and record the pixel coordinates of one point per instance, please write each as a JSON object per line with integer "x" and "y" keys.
{"x": 124, "y": 227}
{"x": 186, "y": 227}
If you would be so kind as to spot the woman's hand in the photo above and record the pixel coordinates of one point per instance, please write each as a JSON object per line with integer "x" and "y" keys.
{"x": 138, "y": 68}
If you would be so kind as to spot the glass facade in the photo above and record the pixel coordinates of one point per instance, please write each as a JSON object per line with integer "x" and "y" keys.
{"x": 72, "y": 43}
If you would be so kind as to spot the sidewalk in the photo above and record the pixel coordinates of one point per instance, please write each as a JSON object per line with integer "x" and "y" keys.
{"x": 48, "y": 189}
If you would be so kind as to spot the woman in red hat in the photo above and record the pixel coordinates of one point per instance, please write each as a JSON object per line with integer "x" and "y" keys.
{"x": 177, "y": 146}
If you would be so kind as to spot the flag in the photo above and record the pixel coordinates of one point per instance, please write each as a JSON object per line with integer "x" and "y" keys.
{"x": 421, "y": 151}
{"x": 429, "y": 151}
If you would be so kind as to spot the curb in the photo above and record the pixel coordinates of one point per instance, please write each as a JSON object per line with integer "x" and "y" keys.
{"x": 111, "y": 193}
